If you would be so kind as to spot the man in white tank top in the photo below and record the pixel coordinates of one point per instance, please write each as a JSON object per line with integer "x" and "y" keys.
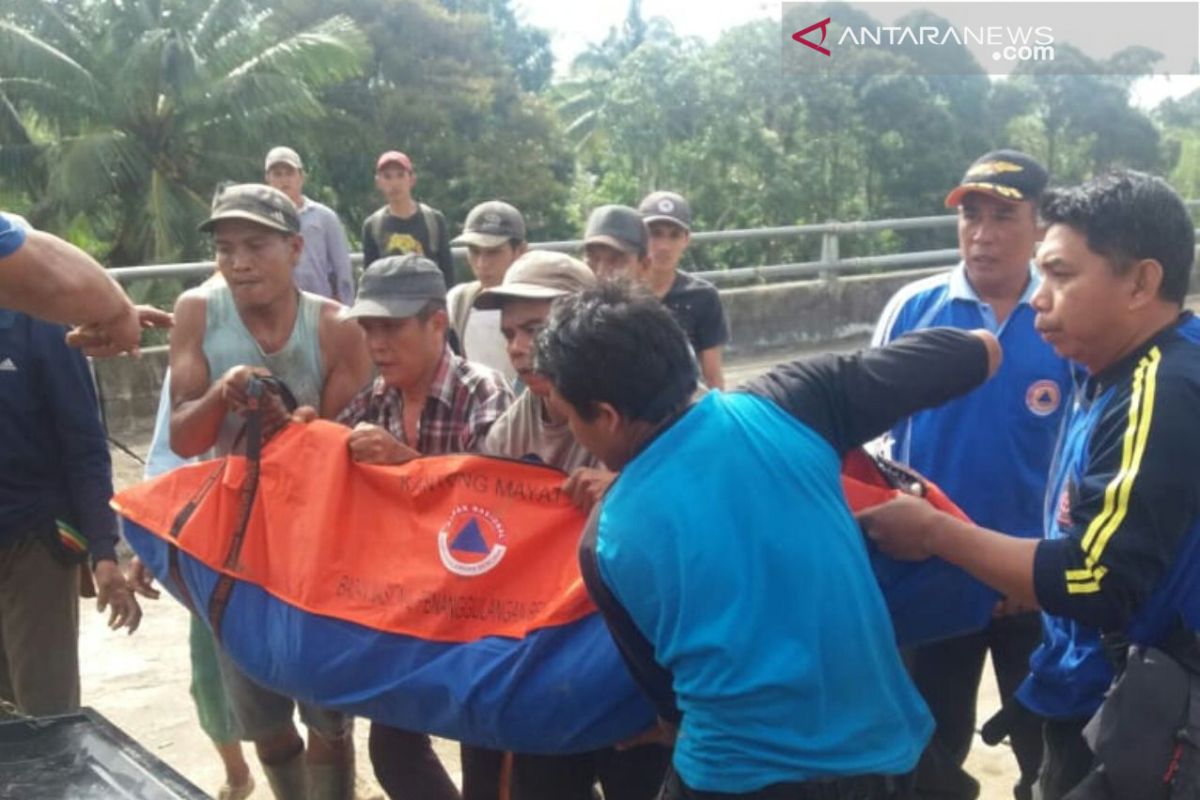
{"x": 259, "y": 323}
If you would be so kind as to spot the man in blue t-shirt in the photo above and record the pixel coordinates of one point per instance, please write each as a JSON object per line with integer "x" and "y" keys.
{"x": 989, "y": 451}
{"x": 738, "y": 588}
{"x": 1120, "y": 560}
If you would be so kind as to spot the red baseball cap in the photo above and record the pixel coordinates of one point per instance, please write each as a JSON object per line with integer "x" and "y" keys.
{"x": 394, "y": 157}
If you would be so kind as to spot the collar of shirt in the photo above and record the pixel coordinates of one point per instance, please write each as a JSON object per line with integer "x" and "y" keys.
{"x": 961, "y": 288}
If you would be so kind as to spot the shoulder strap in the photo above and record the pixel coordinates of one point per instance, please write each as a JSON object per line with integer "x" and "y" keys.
{"x": 460, "y": 311}
{"x": 377, "y": 229}
{"x": 434, "y": 229}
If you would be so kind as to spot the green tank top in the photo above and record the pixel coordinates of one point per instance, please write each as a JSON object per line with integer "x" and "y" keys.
{"x": 227, "y": 344}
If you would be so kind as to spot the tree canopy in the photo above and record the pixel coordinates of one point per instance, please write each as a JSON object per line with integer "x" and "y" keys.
{"x": 118, "y": 119}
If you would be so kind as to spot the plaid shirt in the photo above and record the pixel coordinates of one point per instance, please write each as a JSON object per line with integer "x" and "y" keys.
{"x": 463, "y": 402}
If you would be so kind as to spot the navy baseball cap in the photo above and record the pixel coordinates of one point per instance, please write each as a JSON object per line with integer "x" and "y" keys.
{"x": 1004, "y": 174}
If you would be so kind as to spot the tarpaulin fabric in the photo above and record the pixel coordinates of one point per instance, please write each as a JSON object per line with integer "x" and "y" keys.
{"x": 442, "y": 595}
{"x": 928, "y": 600}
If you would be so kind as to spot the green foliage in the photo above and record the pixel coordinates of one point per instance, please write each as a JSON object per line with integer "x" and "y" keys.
{"x": 130, "y": 113}
{"x": 117, "y": 119}
{"x": 439, "y": 88}
{"x": 751, "y": 145}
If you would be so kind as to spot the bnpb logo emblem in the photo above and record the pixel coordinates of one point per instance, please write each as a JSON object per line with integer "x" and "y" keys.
{"x": 472, "y": 541}
{"x": 1043, "y": 398}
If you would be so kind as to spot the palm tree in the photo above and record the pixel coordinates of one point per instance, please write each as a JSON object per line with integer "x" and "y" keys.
{"x": 124, "y": 116}
{"x": 583, "y": 96}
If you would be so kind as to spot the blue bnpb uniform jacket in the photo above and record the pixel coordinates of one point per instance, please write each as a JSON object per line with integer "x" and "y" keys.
{"x": 990, "y": 450}
{"x": 737, "y": 584}
{"x": 1122, "y": 547}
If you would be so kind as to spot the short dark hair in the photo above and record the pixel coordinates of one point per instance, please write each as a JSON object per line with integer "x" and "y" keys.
{"x": 1128, "y": 216}
{"x": 617, "y": 344}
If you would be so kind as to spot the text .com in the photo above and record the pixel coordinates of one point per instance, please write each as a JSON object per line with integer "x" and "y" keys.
{"x": 1024, "y": 52}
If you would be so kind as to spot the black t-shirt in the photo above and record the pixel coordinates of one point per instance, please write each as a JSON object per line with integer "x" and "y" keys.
{"x": 696, "y": 304}
{"x": 385, "y": 234}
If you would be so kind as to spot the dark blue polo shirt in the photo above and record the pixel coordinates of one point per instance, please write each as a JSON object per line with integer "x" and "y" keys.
{"x": 54, "y": 461}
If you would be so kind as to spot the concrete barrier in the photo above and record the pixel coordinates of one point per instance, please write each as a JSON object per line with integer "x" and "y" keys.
{"x": 129, "y": 389}
{"x": 801, "y": 315}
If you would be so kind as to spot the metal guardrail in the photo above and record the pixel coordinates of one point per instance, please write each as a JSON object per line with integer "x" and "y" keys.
{"x": 829, "y": 266}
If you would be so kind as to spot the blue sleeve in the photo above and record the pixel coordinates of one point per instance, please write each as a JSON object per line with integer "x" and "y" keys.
{"x": 83, "y": 454}
{"x": 12, "y": 237}
{"x": 337, "y": 248}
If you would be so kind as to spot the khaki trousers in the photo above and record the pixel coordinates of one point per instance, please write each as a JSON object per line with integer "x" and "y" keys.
{"x": 39, "y": 629}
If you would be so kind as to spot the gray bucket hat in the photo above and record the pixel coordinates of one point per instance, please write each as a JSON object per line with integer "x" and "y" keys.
{"x": 538, "y": 275}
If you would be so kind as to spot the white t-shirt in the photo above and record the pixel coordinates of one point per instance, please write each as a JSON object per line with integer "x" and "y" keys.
{"x": 484, "y": 344}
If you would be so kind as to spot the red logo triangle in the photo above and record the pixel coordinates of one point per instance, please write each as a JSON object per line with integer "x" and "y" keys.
{"x": 824, "y": 26}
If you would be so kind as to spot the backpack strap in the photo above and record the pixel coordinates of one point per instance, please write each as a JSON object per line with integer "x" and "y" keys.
{"x": 434, "y": 229}
{"x": 376, "y": 222}
{"x": 460, "y": 309}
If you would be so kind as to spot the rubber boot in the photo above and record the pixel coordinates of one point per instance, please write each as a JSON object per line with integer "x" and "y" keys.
{"x": 288, "y": 779}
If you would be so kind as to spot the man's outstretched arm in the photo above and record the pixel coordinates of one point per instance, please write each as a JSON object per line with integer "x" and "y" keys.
{"x": 52, "y": 279}
{"x": 851, "y": 399}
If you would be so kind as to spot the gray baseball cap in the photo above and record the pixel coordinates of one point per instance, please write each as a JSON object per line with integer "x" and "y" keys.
{"x": 538, "y": 275}
{"x": 491, "y": 224}
{"x": 283, "y": 155}
{"x": 397, "y": 287}
{"x": 666, "y": 207}
{"x": 617, "y": 226}
{"x": 255, "y": 202}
